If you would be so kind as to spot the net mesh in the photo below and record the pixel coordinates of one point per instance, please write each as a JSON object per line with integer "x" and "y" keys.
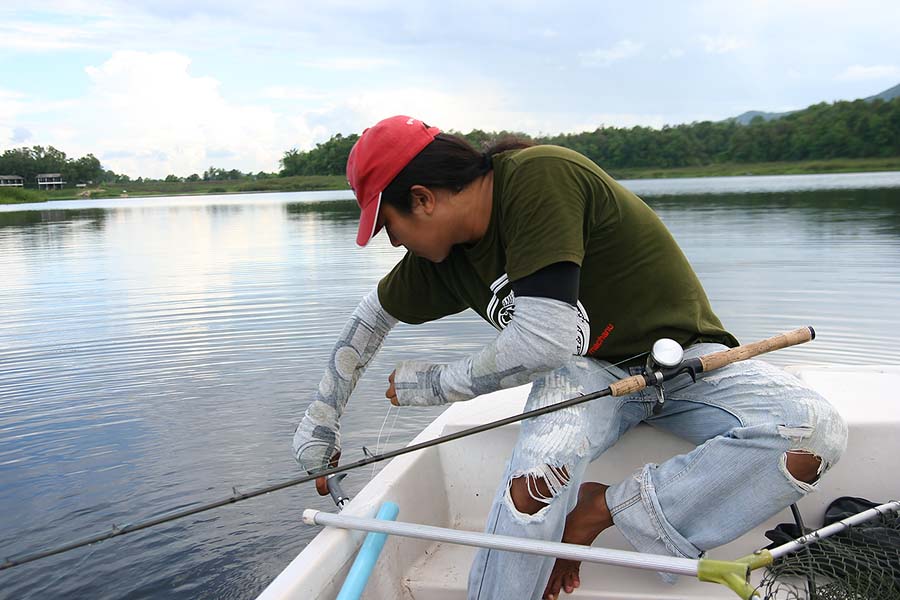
{"x": 860, "y": 563}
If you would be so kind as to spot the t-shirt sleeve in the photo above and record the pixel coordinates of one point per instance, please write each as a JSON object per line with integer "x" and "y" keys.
{"x": 544, "y": 216}
{"x": 415, "y": 291}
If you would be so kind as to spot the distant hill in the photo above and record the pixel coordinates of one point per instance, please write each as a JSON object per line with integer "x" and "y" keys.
{"x": 886, "y": 95}
{"x": 747, "y": 117}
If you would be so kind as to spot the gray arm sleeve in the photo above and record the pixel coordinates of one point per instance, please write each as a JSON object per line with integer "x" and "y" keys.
{"x": 539, "y": 338}
{"x": 317, "y": 437}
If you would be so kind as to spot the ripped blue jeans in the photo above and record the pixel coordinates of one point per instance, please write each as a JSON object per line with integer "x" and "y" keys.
{"x": 743, "y": 418}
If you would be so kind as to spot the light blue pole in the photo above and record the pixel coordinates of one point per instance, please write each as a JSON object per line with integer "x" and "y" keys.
{"x": 368, "y": 554}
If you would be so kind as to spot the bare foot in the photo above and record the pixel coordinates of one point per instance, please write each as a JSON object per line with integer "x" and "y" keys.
{"x": 589, "y": 517}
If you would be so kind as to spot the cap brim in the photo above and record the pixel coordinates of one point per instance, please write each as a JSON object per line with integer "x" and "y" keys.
{"x": 368, "y": 220}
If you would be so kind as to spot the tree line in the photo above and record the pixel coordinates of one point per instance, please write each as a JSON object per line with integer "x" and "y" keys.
{"x": 857, "y": 129}
{"x": 216, "y": 174}
{"x": 29, "y": 162}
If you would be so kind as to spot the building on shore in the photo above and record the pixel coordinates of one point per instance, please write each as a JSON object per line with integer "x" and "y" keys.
{"x": 50, "y": 181}
{"x": 12, "y": 181}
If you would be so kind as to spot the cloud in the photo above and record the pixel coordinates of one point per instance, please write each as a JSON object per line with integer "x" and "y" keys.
{"x": 25, "y": 36}
{"x": 603, "y": 57}
{"x": 147, "y": 114}
{"x": 292, "y": 92}
{"x": 865, "y": 73}
{"x": 673, "y": 54}
{"x": 12, "y": 105}
{"x": 20, "y": 135}
{"x": 722, "y": 44}
{"x": 488, "y": 107}
{"x": 347, "y": 63}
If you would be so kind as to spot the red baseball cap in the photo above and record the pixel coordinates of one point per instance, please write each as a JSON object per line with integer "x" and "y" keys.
{"x": 379, "y": 155}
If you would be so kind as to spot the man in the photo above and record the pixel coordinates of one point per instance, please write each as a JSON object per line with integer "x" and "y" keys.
{"x": 580, "y": 277}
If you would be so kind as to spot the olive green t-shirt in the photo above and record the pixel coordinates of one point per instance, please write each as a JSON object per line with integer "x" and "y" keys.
{"x": 551, "y": 205}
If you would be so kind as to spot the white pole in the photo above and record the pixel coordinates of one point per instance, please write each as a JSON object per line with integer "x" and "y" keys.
{"x": 621, "y": 558}
{"x": 834, "y": 528}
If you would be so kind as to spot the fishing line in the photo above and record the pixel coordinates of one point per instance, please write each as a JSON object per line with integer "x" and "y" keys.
{"x": 378, "y": 446}
{"x": 622, "y": 362}
{"x": 387, "y": 442}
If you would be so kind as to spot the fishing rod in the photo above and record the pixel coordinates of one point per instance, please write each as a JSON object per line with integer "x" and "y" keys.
{"x": 665, "y": 362}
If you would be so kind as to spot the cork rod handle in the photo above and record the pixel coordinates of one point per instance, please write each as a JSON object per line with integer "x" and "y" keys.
{"x": 717, "y": 360}
{"x": 629, "y": 385}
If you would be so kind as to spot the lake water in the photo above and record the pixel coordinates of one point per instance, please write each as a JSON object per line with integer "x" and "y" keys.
{"x": 156, "y": 352}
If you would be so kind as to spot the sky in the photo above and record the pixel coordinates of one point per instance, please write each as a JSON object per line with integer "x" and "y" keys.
{"x": 153, "y": 88}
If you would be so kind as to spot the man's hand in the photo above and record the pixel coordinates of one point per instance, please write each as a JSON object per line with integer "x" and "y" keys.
{"x": 391, "y": 393}
{"x": 321, "y": 482}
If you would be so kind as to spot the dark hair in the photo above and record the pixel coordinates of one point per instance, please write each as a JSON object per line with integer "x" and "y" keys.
{"x": 448, "y": 162}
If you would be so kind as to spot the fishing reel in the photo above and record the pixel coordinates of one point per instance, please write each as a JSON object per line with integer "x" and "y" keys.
{"x": 665, "y": 362}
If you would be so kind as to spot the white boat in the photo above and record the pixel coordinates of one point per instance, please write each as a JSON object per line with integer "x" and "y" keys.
{"x": 452, "y": 485}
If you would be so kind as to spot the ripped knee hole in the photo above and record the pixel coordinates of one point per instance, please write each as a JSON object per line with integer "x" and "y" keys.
{"x": 533, "y": 491}
{"x": 803, "y": 465}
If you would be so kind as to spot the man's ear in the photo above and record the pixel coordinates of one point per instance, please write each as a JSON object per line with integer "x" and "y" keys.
{"x": 423, "y": 199}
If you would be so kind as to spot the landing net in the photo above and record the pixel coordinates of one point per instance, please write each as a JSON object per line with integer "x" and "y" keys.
{"x": 859, "y": 563}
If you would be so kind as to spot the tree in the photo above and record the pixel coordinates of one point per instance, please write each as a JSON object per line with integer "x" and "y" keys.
{"x": 213, "y": 174}
{"x": 30, "y": 162}
{"x": 329, "y": 158}
{"x": 86, "y": 169}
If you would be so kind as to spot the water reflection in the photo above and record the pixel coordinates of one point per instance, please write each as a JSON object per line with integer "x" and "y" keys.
{"x": 93, "y": 217}
{"x": 336, "y": 209}
{"x": 880, "y": 207}
{"x": 764, "y": 183}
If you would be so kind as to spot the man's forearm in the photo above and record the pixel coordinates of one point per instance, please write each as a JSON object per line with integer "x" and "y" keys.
{"x": 539, "y": 338}
{"x": 317, "y": 437}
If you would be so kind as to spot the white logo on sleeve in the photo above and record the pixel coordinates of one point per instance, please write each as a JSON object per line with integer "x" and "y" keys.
{"x": 502, "y": 306}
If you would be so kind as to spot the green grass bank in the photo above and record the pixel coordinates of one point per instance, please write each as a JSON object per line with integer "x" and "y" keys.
{"x": 337, "y": 182}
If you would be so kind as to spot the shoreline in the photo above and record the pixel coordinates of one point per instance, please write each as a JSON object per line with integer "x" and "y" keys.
{"x": 810, "y": 167}
{"x": 335, "y": 182}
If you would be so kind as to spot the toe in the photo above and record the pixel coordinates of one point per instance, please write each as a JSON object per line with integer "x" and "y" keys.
{"x": 571, "y": 581}
{"x": 551, "y": 592}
